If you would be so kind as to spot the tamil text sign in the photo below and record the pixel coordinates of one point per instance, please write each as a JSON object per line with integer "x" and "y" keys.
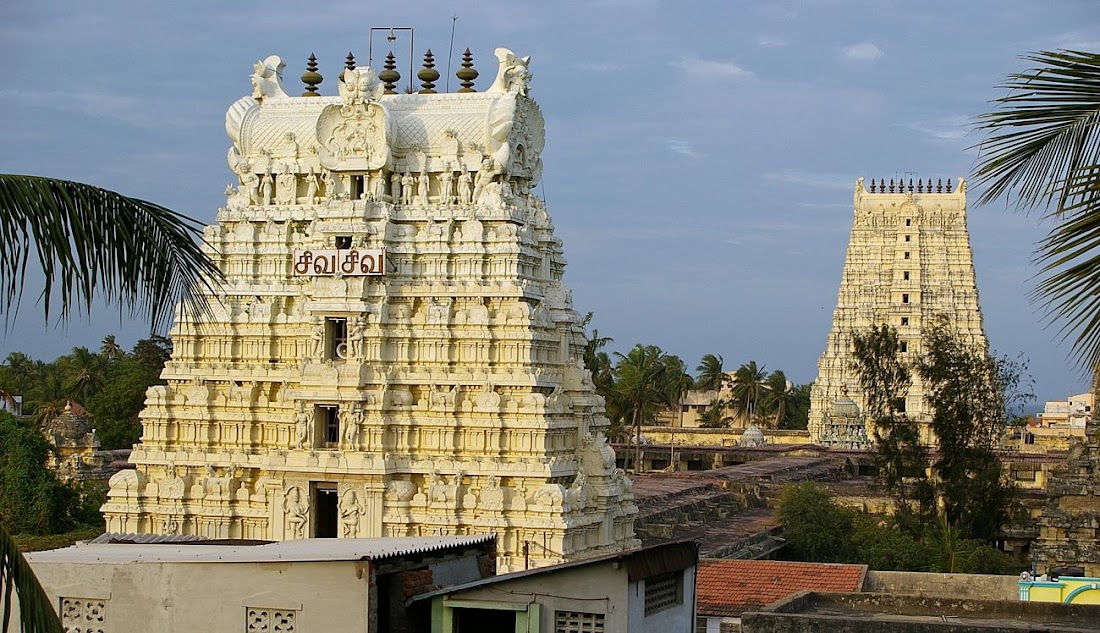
{"x": 340, "y": 261}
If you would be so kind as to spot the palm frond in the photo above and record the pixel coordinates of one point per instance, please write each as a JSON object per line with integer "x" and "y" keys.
{"x": 36, "y": 615}
{"x": 93, "y": 243}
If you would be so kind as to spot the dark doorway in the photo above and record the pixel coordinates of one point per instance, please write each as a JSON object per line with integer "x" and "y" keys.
{"x": 326, "y": 513}
{"x": 481, "y": 620}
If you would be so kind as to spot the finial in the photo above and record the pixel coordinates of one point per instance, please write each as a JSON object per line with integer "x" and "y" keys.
{"x": 910, "y": 185}
{"x": 467, "y": 73}
{"x": 349, "y": 64}
{"x": 920, "y": 186}
{"x": 389, "y": 75}
{"x": 948, "y": 185}
{"x": 872, "y": 189}
{"x": 891, "y": 185}
{"x": 939, "y": 185}
{"x": 929, "y": 187}
{"x": 428, "y": 75}
{"x": 311, "y": 77}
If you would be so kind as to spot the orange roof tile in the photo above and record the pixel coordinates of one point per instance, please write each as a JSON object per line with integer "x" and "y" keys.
{"x": 731, "y": 587}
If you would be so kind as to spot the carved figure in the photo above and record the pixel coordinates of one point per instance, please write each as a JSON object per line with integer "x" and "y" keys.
{"x": 378, "y": 186}
{"x": 350, "y": 510}
{"x": 359, "y": 85}
{"x": 297, "y": 513}
{"x": 513, "y": 74}
{"x": 422, "y": 185}
{"x": 330, "y": 186}
{"x": 407, "y": 183}
{"x": 266, "y": 189}
{"x": 356, "y": 334}
{"x": 446, "y": 186}
{"x": 395, "y": 188}
{"x": 170, "y": 525}
{"x": 301, "y": 427}
{"x": 317, "y": 335}
{"x": 288, "y": 185}
{"x": 251, "y": 183}
{"x": 492, "y": 495}
{"x": 484, "y": 177}
{"x": 464, "y": 191}
{"x": 311, "y": 187}
{"x": 267, "y": 79}
{"x": 349, "y": 422}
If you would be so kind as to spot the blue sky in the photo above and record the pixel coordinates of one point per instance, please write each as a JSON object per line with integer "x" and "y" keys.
{"x": 700, "y": 155}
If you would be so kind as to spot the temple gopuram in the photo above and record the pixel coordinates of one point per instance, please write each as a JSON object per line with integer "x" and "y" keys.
{"x": 393, "y": 352}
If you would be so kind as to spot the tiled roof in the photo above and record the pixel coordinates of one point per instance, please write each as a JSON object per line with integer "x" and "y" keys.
{"x": 731, "y": 587}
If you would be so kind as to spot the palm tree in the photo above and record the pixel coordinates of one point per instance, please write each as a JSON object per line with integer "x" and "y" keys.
{"x": 83, "y": 373}
{"x": 747, "y": 387}
{"x": 714, "y": 416}
{"x": 640, "y": 380}
{"x": 110, "y": 349}
{"x": 1043, "y": 150}
{"x": 93, "y": 243}
{"x": 777, "y": 395}
{"x": 711, "y": 375}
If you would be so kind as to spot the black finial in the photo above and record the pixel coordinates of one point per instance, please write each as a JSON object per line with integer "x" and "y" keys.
{"x": 910, "y": 185}
{"x": 948, "y": 185}
{"x": 939, "y": 185}
{"x": 311, "y": 77}
{"x": 929, "y": 187}
{"x": 389, "y": 75}
{"x": 891, "y": 185}
{"x": 467, "y": 73}
{"x": 428, "y": 75}
{"x": 349, "y": 64}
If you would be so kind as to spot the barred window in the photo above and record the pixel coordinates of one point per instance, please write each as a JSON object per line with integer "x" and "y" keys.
{"x": 664, "y": 592}
{"x": 578, "y": 622}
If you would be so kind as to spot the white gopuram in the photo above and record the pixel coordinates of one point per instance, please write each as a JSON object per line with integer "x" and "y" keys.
{"x": 394, "y": 352}
{"x": 908, "y": 261}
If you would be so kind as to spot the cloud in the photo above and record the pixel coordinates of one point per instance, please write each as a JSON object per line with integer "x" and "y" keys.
{"x": 806, "y": 179}
{"x": 951, "y": 128}
{"x": 1077, "y": 41}
{"x": 765, "y": 41}
{"x": 863, "y": 52}
{"x": 682, "y": 147}
{"x": 600, "y": 67}
{"x": 711, "y": 69}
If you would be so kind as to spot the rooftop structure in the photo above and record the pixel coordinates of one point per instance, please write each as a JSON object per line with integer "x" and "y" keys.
{"x": 394, "y": 352}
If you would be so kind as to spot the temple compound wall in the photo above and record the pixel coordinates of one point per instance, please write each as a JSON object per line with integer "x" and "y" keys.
{"x": 908, "y": 262}
{"x": 393, "y": 352}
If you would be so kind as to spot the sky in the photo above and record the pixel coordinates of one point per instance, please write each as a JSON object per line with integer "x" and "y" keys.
{"x": 700, "y": 155}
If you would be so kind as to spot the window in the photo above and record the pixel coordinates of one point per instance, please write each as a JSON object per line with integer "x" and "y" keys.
{"x": 905, "y": 276}
{"x": 906, "y": 254}
{"x": 908, "y": 238}
{"x": 269, "y": 620}
{"x": 904, "y": 347}
{"x": 905, "y": 320}
{"x": 908, "y": 222}
{"x": 343, "y": 241}
{"x": 664, "y": 592}
{"x": 578, "y": 622}
{"x": 336, "y": 337}
{"x": 329, "y": 417}
{"x": 905, "y": 298}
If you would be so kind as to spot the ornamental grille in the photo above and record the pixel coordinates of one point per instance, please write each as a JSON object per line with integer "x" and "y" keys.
{"x": 269, "y": 621}
{"x": 663, "y": 592}
{"x": 578, "y": 622}
{"x": 83, "y": 616}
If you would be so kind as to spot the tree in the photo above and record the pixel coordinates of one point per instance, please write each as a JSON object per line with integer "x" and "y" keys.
{"x": 815, "y": 528}
{"x": 83, "y": 372}
{"x": 777, "y": 396}
{"x": 900, "y": 456}
{"x": 640, "y": 382}
{"x": 714, "y": 416}
{"x": 32, "y": 500}
{"x": 799, "y": 417}
{"x": 110, "y": 349}
{"x": 965, "y": 391}
{"x": 93, "y": 243}
{"x": 711, "y": 376}
{"x": 1042, "y": 149}
{"x": 747, "y": 387}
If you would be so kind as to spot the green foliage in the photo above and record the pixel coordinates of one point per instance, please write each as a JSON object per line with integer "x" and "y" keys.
{"x": 711, "y": 374}
{"x": 1043, "y": 150}
{"x": 31, "y": 498}
{"x": 92, "y": 243}
{"x": 798, "y": 415}
{"x": 816, "y": 529}
{"x": 900, "y": 457}
{"x": 746, "y": 388}
{"x": 777, "y": 398}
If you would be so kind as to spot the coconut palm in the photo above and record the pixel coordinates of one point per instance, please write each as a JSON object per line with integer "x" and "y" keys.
{"x": 711, "y": 375}
{"x": 747, "y": 387}
{"x": 110, "y": 349}
{"x": 778, "y": 395}
{"x": 714, "y": 415}
{"x": 640, "y": 381}
{"x": 1042, "y": 149}
{"x": 83, "y": 372}
{"x": 92, "y": 243}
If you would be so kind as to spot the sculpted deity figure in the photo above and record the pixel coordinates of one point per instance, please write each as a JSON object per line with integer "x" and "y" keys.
{"x": 513, "y": 74}
{"x": 251, "y": 183}
{"x": 267, "y": 189}
{"x": 301, "y": 427}
{"x": 464, "y": 187}
{"x": 317, "y": 335}
{"x": 422, "y": 184}
{"x": 407, "y": 182}
{"x": 350, "y": 510}
{"x": 378, "y": 186}
{"x": 356, "y": 334}
{"x": 349, "y": 422}
{"x": 395, "y": 188}
{"x": 311, "y": 187}
{"x": 288, "y": 185}
{"x": 330, "y": 185}
{"x": 297, "y": 514}
{"x": 446, "y": 186}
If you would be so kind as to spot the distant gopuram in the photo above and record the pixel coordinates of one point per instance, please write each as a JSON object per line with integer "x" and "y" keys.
{"x": 908, "y": 261}
{"x": 394, "y": 352}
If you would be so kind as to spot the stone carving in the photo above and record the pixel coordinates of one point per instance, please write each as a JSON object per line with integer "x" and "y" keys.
{"x": 422, "y": 186}
{"x": 287, "y": 186}
{"x": 407, "y": 185}
{"x": 81, "y": 615}
{"x": 303, "y": 427}
{"x": 446, "y": 186}
{"x": 488, "y": 400}
{"x": 513, "y": 73}
{"x": 266, "y": 189}
{"x": 400, "y": 490}
{"x": 297, "y": 512}
{"x": 267, "y": 79}
{"x": 465, "y": 192}
{"x": 350, "y": 511}
{"x": 395, "y": 187}
{"x": 492, "y": 495}
{"x": 311, "y": 188}
{"x": 550, "y": 496}
{"x": 359, "y": 86}
{"x": 349, "y": 423}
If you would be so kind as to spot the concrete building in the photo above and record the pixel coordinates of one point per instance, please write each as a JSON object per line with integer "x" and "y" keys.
{"x": 908, "y": 261}
{"x": 334, "y": 585}
{"x": 394, "y": 352}
{"x": 651, "y": 589}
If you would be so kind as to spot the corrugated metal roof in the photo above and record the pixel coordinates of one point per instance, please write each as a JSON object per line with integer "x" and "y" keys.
{"x": 130, "y": 537}
{"x": 307, "y": 550}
